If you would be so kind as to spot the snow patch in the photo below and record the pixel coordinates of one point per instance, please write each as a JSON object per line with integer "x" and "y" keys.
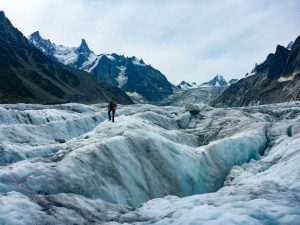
{"x": 137, "y": 62}
{"x": 94, "y": 64}
{"x": 110, "y": 57}
{"x": 91, "y": 61}
{"x": 122, "y": 79}
{"x": 289, "y": 78}
{"x": 65, "y": 55}
{"x": 136, "y": 97}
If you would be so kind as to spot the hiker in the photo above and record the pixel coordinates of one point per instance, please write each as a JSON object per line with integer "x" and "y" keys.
{"x": 112, "y": 106}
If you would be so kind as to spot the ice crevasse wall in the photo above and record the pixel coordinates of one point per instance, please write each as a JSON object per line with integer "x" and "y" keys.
{"x": 149, "y": 152}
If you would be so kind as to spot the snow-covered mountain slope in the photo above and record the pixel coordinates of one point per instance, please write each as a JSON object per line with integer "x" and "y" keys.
{"x": 80, "y": 57}
{"x": 64, "y": 54}
{"x": 216, "y": 81}
{"x": 128, "y": 73}
{"x": 66, "y": 164}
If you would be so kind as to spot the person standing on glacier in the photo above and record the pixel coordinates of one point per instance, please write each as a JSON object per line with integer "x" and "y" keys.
{"x": 112, "y": 107}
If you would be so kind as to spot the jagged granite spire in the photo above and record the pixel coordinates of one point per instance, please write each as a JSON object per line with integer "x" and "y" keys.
{"x": 83, "y": 48}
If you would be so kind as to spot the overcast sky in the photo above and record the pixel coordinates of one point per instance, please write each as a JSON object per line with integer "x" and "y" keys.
{"x": 188, "y": 40}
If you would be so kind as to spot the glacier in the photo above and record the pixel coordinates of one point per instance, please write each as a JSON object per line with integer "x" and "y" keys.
{"x": 67, "y": 164}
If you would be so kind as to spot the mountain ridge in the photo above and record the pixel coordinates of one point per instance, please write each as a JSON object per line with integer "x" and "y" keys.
{"x": 27, "y": 75}
{"x": 128, "y": 73}
{"x": 275, "y": 80}
{"x": 216, "y": 81}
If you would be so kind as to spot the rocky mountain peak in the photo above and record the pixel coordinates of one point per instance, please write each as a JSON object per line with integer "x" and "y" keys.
{"x": 280, "y": 49}
{"x": 274, "y": 80}
{"x": 83, "y": 48}
{"x": 219, "y": 77}
{"x": 217, "y": 81}
{"x": 29, "y": 75}
{"x": 45, "y": 45}
{"x": 289, "y": 46}
{"x": 4, "y": 22}
{"x": 272, "y": 60}
{"x": 9, "y": 33}
{"x": 2, "y": 15}
{"x": 36, "y": 35}
{"x": 184, "y": 84}
{"x": 293, "y": 62}
{"x": 129, "y": 73}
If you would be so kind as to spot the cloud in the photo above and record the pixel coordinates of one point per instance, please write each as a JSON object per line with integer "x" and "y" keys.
{"x": 187, "y": 40}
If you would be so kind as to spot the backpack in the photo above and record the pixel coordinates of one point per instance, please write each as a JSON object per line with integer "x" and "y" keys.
{"x": 113, "y": 104}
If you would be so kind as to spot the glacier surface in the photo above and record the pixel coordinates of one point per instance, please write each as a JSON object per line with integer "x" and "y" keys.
{"x": 67, "y": 164}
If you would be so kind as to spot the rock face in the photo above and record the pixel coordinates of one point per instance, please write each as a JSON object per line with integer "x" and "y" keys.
{"x": 184, "y": 85}
{"x": 133, "y": 76}
{"x": 289, "y": 46}
{"x": 128, "y": 73}
{"x": 232, "y": 81}
{"x": 28, "y": 75}
{"x": 277, "y": 79}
